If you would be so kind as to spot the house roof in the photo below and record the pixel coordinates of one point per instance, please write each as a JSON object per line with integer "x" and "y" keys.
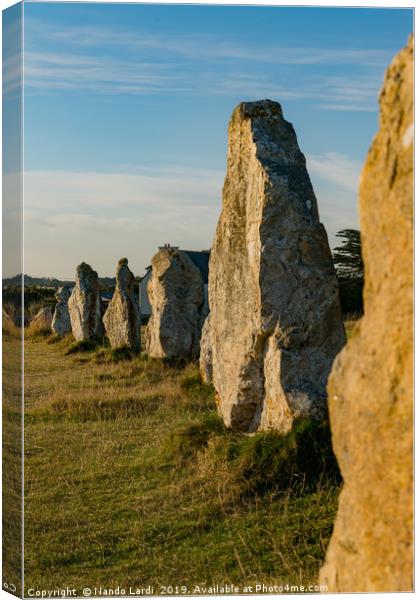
{"x": 201, "y": 260}
{"x": 199, "y": 257}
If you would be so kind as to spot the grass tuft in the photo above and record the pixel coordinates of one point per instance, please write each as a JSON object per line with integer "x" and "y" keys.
{"x": 81, "y": 346}
{"x": 114, "y": 355}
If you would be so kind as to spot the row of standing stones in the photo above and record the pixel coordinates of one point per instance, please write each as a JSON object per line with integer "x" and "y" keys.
{"x": 275, "y": 327}
{"x": 82, "y": 312}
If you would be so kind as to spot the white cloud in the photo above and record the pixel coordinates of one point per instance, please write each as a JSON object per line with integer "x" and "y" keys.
{"x": 335, "y": 178}
{"x": 99, "y": 217}
{"x": 199, "y": 46}
{"x": 194, "y": 64}
{"x": 110, "y": 76}
{"x": 335, "y": 168}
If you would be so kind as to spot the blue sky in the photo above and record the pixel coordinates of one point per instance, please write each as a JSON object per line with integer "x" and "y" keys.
{"x": 126, "y": 112}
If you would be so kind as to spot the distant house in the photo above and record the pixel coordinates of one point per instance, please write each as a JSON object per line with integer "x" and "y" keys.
{"x": 201, "y": 260}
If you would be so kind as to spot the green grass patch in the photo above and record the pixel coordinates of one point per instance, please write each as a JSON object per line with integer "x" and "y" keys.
{"x": 132, "y": 479}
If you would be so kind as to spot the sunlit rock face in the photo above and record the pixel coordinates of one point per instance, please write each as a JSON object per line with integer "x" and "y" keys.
{"x": 275, "y": 319}
{"x": 176, "y": 295}
{"x": 370, "y": 391}
{"x": 122, "y": 317}
{"x": 206, "y": 360}
{"x": 85, "y": 306}
{"x": 61, "y": 324}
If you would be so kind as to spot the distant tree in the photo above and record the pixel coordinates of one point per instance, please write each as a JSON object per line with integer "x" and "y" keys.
{"x": 348, "y": 257}
{"x": 348, "y": 263}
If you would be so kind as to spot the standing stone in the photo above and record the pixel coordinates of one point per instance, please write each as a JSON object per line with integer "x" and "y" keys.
{"x": 42, "y": 320}
{"x": 370, "y": 389}
{"x": 176, "y": 295}
{"x": 122, "y": 317}
{"x": 275, "y": 315}
{"x": 85, "y": 305}
{"x": 61, "y": 324}
{"x": 206, "y": 366}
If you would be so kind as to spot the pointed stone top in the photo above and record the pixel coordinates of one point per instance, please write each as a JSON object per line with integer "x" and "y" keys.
{"x": 85, "y": 273}
{"x": 124, "y": 277}
{"x": 84, "y": 268}
{"x": 265, "y": 109}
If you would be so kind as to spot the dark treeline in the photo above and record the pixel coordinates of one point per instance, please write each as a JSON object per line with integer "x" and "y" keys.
{"x": 348, "y": 263}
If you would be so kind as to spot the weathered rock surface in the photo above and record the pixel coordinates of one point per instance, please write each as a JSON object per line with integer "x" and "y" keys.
{"x": 85, "y": 305}
{"x": 176, "y": 295}
{"x": 61, "y": 324}
{"x": 370, "y": 390}
{"x": 206, "y": 360}
{"x": 275, "y": 316}
{"x": 122, "y": 317}
{"x": 42, "y": 319}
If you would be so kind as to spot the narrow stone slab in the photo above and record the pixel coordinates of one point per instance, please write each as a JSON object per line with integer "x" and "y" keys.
{"x": 122, "y": 317}
{"x": 206, "y": 360}
{"x": 61, "y": 324}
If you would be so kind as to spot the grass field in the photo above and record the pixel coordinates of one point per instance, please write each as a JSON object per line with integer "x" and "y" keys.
{"x": 131, "y": 480}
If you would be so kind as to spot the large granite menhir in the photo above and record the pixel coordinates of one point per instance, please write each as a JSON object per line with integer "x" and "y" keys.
{"x": 85, "y": 305}
{"x": 370, "y": 391}
{"x": 61, "y": 324}
{"x": 122, "y": 317}
{"x": 176, "y": 295}
{"x": 276, "y": 323}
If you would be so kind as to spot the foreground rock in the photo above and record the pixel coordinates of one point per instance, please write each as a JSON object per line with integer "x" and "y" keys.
{"x": 275, "y": 315}
{"x": 122, "y": 317}
{"x": 371, "y": 386}
{"x": 61, "y": 324}
{"x": 85, "y": 306}
{"x": 42, "y": 320}
{"x": 176, "y": 295}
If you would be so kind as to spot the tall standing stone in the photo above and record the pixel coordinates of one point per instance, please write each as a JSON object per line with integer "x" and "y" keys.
{"x": 275, "y": 316}
{"x": 122, "y": 317}
{"x": 61, "y": 324}
{"x": 370, "y": 390}
{"x": 176, "y": 295}
{"x": 85, "y": 305}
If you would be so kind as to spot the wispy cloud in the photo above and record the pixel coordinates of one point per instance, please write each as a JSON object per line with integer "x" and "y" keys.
{"x": 110, "y": 61}
{"x": 335, "y": 168}
{"x": 335, "y": 178}
{"x": 98, "y": 216}
{"x": 199, "y": 46}
{"x": 101, "y": 75}
{"x": 48, "y": 70}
